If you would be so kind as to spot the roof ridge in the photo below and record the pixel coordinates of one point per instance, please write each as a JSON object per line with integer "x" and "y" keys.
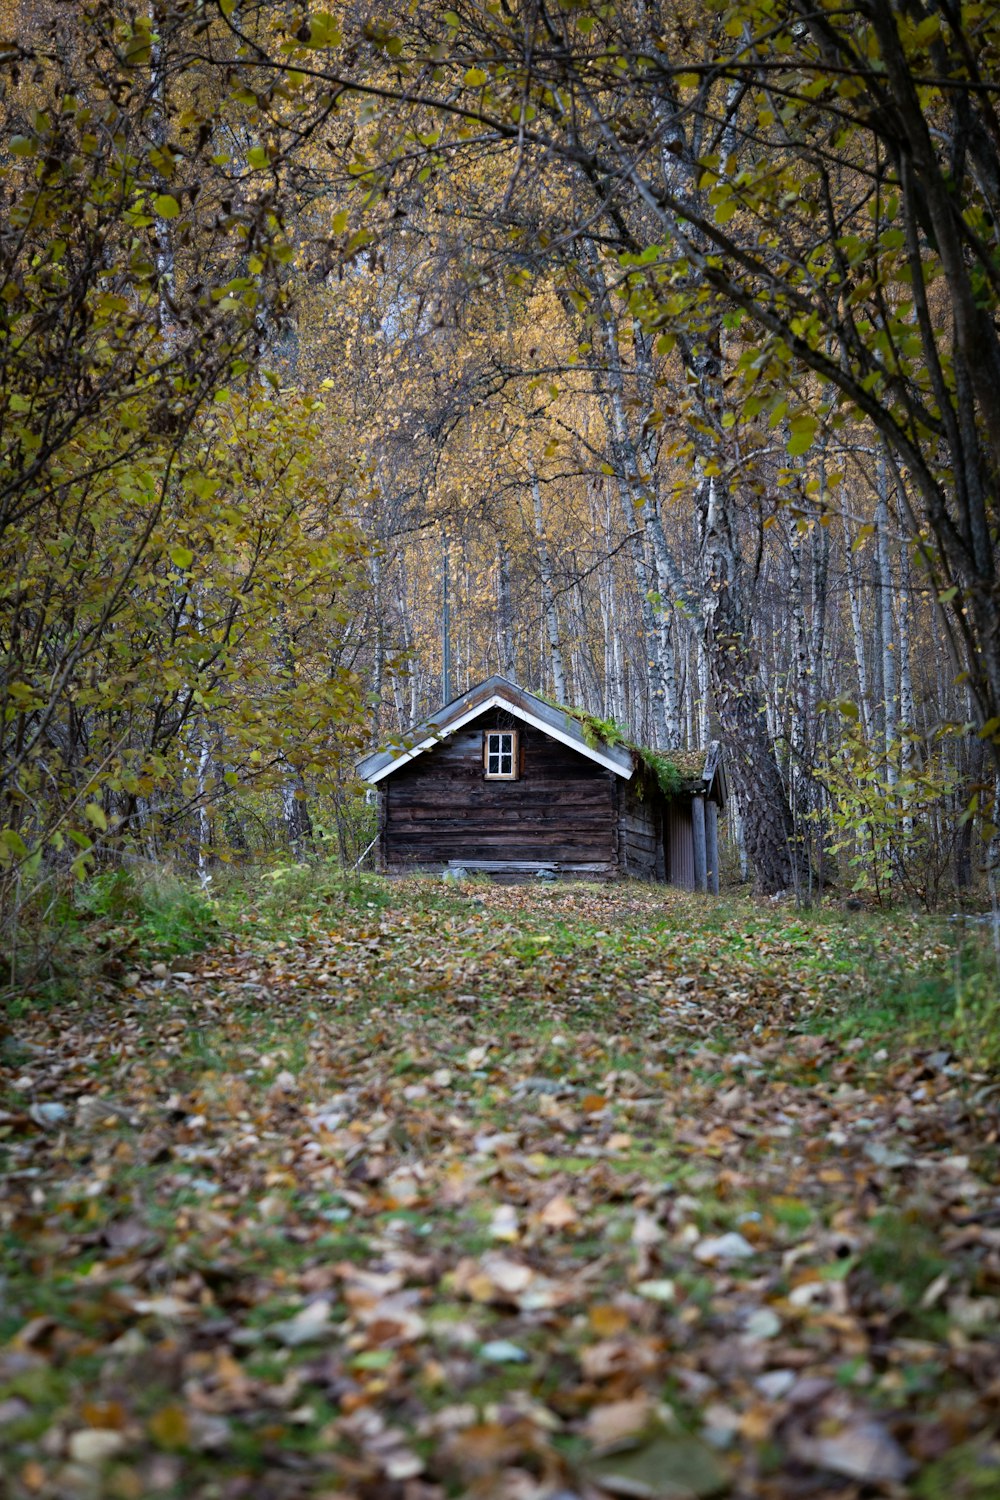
{"x": 554, "y": 720}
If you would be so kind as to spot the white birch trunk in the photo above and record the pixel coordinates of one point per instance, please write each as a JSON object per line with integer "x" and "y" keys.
{"x": 704, "y": 725}
{"x": 906, "y": 704}
{"x": 638, "y": 499}
{"x": 799, "y": 736}
{"x": 820, "y": 555}
{"x": 857, "y": 633}
{"x": 548, "y": 598}
{"x": 294, "y": 806}
{"x": 164, "y": 235}
{"x": 886, "y": 592}
{"x": 204, "y": 763}
{"x": 505, "y": 614}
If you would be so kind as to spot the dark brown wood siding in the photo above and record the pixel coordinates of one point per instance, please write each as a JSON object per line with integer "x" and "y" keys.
{"x": 440, "y": 809}
{"x": 640, "y": 832}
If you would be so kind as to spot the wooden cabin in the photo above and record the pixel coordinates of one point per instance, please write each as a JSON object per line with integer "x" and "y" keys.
{"x": 503, "y": 782}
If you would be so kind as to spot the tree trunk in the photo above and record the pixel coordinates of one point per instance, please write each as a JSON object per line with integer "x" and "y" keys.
{"x": 858, "y": 634}
{"x": 886, "y": 592}
{"x": 505, "y": 614}
{"x": 739, "y": 703}
{"x": 548, "y": 597}
{"x": 294, "y": 807}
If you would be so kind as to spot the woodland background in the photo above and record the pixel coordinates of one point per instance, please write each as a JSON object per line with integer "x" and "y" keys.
{"x": 659, "y": 346}
{"x": 656, "y": 345}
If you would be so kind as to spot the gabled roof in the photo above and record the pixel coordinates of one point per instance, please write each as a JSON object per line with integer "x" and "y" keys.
{"x": 495, "y": 692}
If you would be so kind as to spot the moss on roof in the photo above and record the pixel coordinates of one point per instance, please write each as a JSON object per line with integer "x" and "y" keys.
{"x": 690, "y": 763}
{"x": 674, "y": 771}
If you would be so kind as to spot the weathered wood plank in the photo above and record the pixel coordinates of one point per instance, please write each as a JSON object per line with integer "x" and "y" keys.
{"x": 594, "y": 866}
{"x": 443, "y": 854}
{"x": 533, "y": 807}
{"x": 638, "y": 831}
{"x": 712, "y": 845}
{"x": 700, "y": 854}
{"x": 441, "y": 809}
{"x": 420, "y": 829}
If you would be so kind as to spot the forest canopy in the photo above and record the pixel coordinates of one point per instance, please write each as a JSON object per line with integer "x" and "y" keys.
{"x": 663, "y": 338}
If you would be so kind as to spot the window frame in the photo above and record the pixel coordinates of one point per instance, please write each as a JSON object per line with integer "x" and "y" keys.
{"x": 500, "y": 755}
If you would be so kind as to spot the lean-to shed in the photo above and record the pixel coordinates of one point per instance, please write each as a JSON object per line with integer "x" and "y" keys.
{"x": 504, "y": 782}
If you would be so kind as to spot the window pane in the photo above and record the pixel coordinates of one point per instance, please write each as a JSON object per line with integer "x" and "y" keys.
{"x": 501, "y": 759}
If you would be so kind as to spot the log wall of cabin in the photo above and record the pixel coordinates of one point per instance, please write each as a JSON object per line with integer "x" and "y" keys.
{"x": 440, "y": 809}
{"x": 640, "y": 830}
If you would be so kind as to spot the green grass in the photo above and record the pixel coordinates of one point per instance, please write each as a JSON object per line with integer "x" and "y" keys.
{"x": 389, "y": 984}
{"x": 901, "y": 1262}
{"x": 969, "y": 1472}
{"x": 951, "y": 1007}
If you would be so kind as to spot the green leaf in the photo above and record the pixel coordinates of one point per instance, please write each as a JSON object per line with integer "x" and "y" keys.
{"x": 94, "y": 813}
{"x": 373, "y": 1359}
{"x": 804, "y": 427}
{"x": 165, "y": 206}
{"x": 666, "y": 1466}
{"x": 12, "y": 845}
{"x": 181, "y": 557}
{"x": 475, "y": 78}
{"x": 323, "y": 30}
{"x": 22, "y": 145}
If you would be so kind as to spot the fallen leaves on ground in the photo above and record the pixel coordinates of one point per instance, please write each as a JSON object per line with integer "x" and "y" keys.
{"x": 524, "y": 1194}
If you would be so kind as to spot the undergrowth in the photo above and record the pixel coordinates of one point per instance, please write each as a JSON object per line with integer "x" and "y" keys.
{"x": 75, "y": 935}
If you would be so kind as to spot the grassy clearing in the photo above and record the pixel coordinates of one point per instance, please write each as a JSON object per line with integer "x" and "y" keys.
{"x": 417, "y": 1182}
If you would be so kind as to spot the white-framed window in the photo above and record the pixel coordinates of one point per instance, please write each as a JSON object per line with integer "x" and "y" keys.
{"x": 500, "y": 754}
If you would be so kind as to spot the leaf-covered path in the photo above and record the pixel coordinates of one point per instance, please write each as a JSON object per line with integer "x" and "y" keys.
{"x": 515, "y": 1193}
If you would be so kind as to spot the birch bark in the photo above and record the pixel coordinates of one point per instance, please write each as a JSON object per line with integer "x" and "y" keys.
{"x": 886, "y": 593}
{"x": 857, "y": 633}
{"x": 556, "y": 666}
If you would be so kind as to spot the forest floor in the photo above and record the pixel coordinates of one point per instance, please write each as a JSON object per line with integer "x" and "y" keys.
{"x": 416, "y": 1191}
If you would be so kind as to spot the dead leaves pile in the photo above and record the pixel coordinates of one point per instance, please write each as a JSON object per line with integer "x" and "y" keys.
{"x": 517, "y": 1199}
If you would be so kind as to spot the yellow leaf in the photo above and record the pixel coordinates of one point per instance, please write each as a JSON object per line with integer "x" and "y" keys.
{"x": 606, "y": 1321}
{"x": 169, "y": 1427}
